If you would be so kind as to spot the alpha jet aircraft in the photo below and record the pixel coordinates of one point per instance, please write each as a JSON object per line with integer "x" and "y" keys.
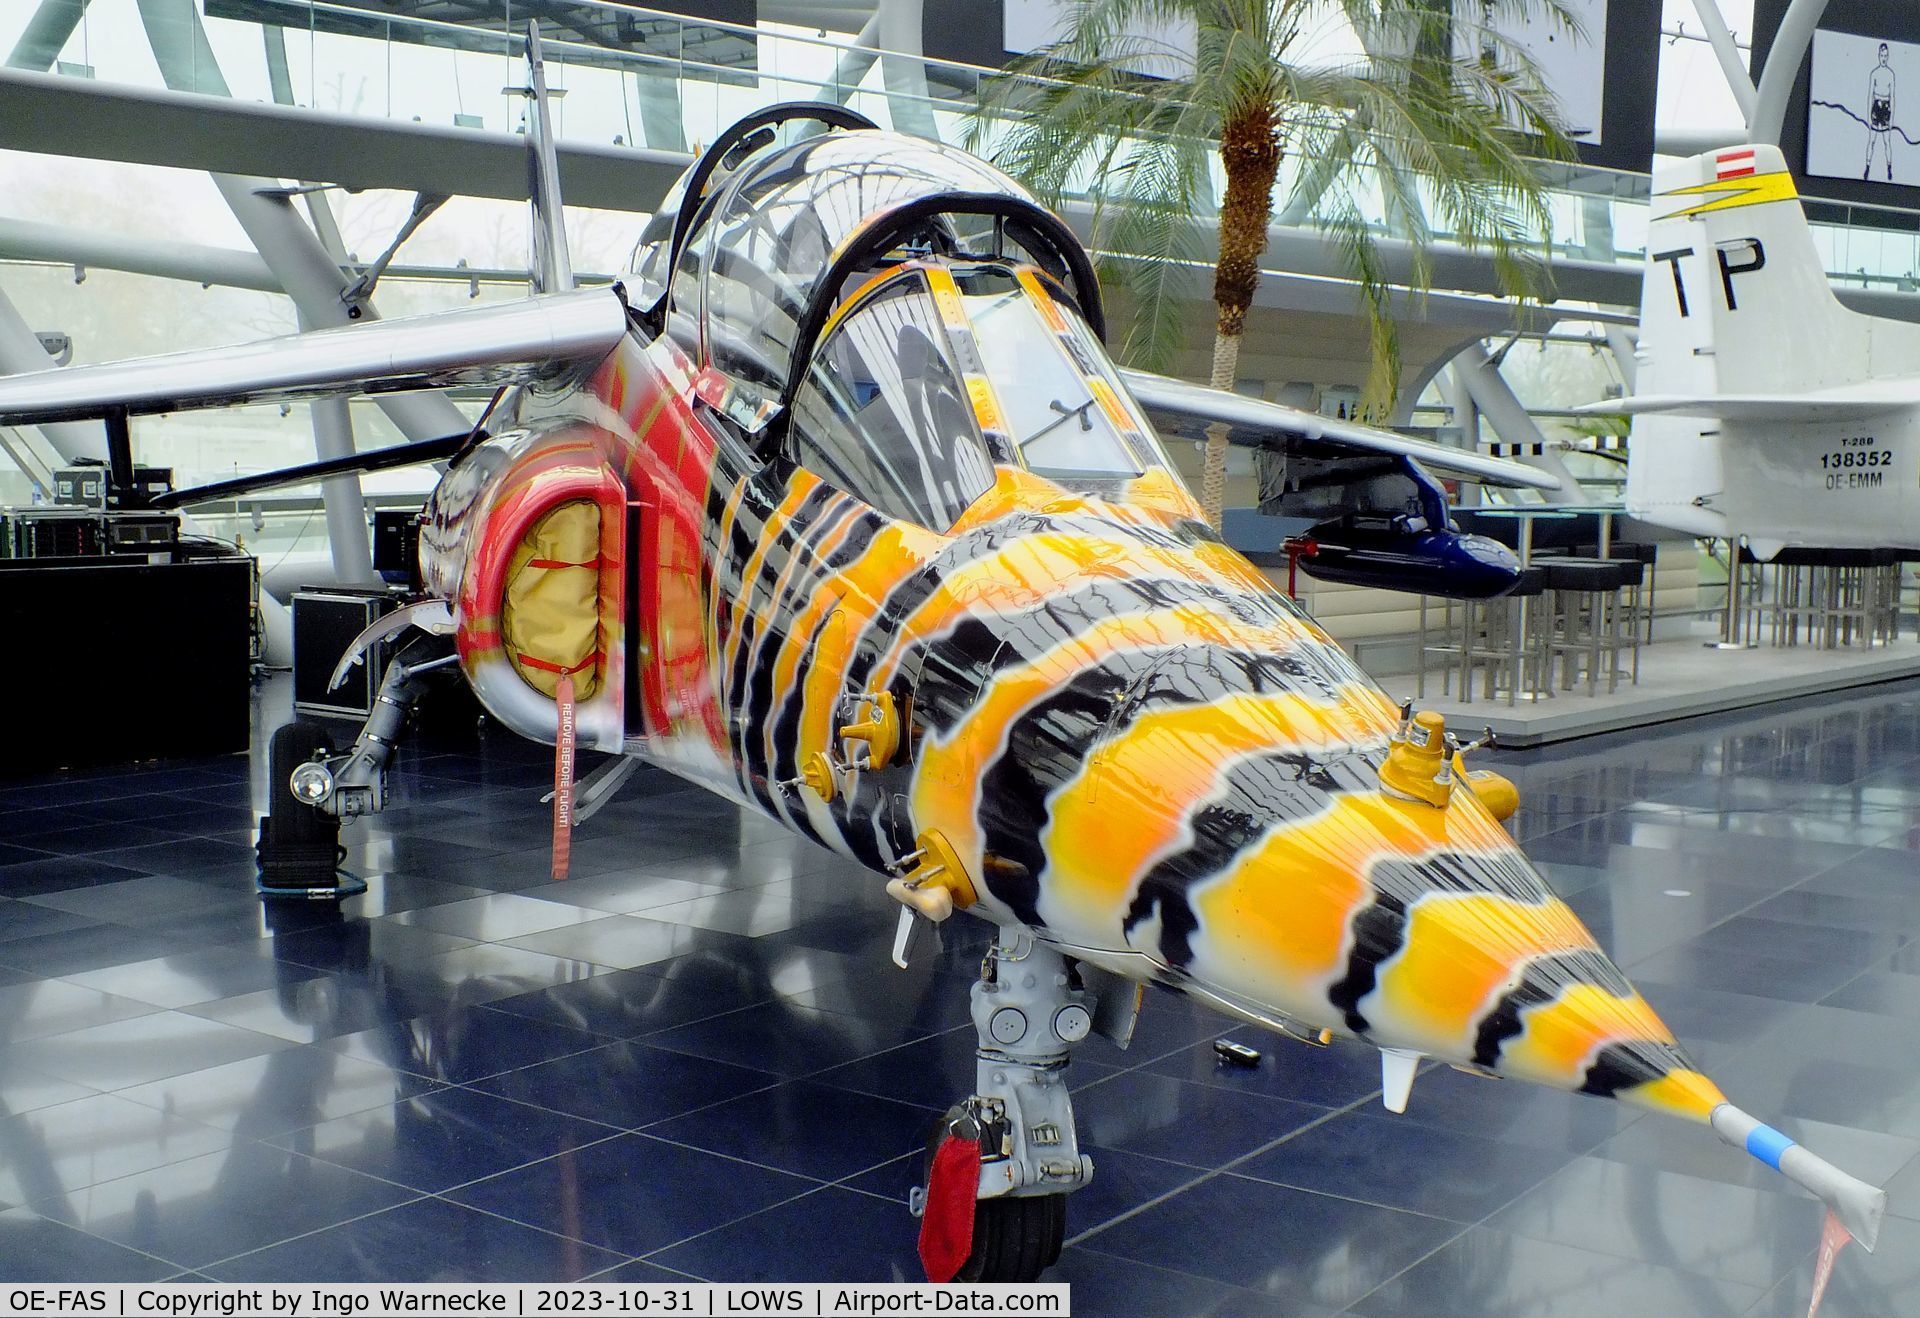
{"x": 839, "y": 507}
{"x": 1764, "y": 407}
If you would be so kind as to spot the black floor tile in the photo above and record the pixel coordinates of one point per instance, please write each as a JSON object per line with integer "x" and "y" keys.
{"x": 172, "y": 1050}
{"x": 428, "y": 1240}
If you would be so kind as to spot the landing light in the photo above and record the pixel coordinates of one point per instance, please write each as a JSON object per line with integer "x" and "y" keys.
{"x": 311, "y": 783}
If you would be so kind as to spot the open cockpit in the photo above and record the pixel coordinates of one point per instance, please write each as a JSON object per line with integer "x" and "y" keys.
{"x": 890, "y": 313}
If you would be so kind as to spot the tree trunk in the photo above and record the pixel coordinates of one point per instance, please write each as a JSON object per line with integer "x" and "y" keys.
{"x": 1213, "y": 478}
{"x": 1250, "y": 151}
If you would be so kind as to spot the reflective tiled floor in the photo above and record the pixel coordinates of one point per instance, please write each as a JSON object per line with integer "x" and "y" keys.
{"x": 695, "y": 1059}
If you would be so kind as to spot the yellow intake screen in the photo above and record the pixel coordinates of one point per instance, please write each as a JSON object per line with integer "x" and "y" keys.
{"x": 550, "y": 619}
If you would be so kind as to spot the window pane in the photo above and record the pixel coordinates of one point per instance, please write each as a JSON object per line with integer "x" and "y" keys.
{"x": 883, "y": 414}
{"x": 1057, "y": 423}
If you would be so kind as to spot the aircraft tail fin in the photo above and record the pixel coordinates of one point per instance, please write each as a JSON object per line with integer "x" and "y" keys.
{"x": 1735, "y": 298}
{"x": 1741, "y": 337}
{"x": 551, "y": 266}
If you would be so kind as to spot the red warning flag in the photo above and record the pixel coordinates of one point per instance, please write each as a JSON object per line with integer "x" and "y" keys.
{"x": 946, "y": 1223}
{"x": 563, "y": 780}
{"x": 1833, "y": 1239}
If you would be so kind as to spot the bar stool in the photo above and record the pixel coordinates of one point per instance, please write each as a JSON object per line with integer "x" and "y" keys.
{"x": 1496, "y": 642}
{"x": 1451, "y": 631}
{"x": 1585, "y": 618}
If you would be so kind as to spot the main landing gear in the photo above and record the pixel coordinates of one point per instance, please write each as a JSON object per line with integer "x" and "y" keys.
{"x": 1000, "y": 1165}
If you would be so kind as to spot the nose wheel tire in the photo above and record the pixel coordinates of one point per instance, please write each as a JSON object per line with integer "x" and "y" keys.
{"x": 299, "y": 847}
{"x": 1016, "y": 1239}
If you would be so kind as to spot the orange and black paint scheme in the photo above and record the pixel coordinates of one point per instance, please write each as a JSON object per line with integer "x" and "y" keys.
{"x": 1114, "y": 732}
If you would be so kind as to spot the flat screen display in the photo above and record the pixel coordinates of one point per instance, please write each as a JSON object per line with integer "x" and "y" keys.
{"x": 1863, "y": 102}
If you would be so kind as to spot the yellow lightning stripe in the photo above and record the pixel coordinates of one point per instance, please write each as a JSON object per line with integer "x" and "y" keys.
{"x": 1014, "y": 488}
{"x": 1281, "y": 911}
{"x": 953, "y": 314}
{"x": 1157, "y": 491}
{"x": 799, "y": 637}
{"x": 1731, "y": 193}
{"x": 895, "y": 552}
{"x": 946, "y": 296}
{"x": 1110, "y": 404}
{"x": 1677, "y": 1093}
{"x": 1157, "y": 770}
{"x": 728, "y": 516}
{"x": 789, "y": 638}
{"x": 947, "y": 782}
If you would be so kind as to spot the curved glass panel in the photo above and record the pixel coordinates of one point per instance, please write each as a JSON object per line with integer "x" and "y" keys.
{"x": 648, "y": 268}
{"x": 754, "y": 259}
{"x": 883, "y": 412}
{"x": 1049, "y": 377}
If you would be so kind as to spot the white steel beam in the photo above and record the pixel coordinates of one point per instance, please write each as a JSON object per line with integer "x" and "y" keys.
{"x": 1732, "y": 65}
{"x": 1789, "y": 51}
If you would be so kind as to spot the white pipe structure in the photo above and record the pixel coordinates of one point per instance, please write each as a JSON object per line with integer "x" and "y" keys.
{"x": 1494, "y": 400}
{"x": 1720, "y": 37}
{"x": 1789, "y": 51}
{"x": 21, "y": 351}
{"x": 27, "y": 240}
{"x": 46, "y": 33}
{"x": 1625, "y": 346}
{"x": 853, "y": 63}
{"x": 341, "y": 496}
{"x": 903, "y": 67}
{"x": 290, "y": 249}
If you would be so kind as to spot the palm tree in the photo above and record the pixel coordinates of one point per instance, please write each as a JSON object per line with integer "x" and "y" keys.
{"x": 1405, "y": 122}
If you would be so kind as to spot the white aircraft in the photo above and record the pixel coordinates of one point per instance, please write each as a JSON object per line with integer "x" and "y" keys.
{"x": 1766, "y": 409}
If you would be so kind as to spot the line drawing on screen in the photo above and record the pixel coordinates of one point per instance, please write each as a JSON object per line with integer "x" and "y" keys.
{"x": 1572, "y": 66}
{"x": 1855, "y": 106}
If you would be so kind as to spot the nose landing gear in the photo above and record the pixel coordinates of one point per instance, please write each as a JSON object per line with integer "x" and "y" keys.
{"x": 1009, "y": 1154}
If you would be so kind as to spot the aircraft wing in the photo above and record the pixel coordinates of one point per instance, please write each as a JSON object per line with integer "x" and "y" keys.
{"x": 495, "y": 344}
{"x": 1851, "y": 402}
{"x": 1184, "y": 411}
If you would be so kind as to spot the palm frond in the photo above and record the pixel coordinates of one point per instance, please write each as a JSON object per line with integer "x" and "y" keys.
{"x": 1409, "y": 142}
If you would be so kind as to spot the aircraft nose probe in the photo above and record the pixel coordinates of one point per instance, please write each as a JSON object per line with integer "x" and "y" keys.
{"x": 1859, "y": 1207}
{"x": 1423, "y": 764}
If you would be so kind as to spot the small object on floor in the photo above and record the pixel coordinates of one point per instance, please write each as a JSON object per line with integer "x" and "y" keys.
{"x": 336, "y": 885}
{"x": 1236, "y": 1054}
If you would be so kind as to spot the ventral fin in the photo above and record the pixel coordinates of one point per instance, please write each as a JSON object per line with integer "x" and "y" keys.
{"x": 1397, "y": 1068}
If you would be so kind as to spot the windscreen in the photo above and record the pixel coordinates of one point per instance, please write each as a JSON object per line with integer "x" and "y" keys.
{"x": 1062, "y": 405}
{"x": 883, "y": 412}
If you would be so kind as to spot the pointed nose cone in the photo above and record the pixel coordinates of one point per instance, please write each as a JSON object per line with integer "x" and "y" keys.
{"x": 1424, "y": 928}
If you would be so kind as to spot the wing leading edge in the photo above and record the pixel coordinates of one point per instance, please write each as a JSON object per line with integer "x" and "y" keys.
{"x": 504, "y": 343}
{"x": 1852, "y": 402}
{"x": 1185, "y": 411}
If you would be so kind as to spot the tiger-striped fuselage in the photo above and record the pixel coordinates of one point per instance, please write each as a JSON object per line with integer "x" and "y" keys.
{"x": 1137, "y": 745}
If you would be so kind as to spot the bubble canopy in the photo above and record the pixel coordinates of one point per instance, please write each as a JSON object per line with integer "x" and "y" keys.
{"x": 774, "y": 245}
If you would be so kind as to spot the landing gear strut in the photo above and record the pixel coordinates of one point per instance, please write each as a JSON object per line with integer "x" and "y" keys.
{"x": 313, "y": 788}
{"x": 1029, "y": 1009}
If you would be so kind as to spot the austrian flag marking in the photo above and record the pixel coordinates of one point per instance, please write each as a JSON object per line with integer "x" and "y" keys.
{"x": 1734, "y": 164}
